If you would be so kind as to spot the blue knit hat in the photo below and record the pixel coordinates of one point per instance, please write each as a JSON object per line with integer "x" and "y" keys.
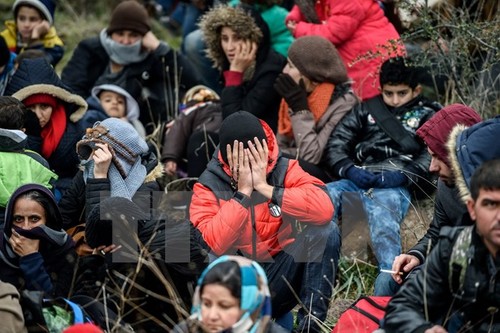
{"x": 46, "y": 7}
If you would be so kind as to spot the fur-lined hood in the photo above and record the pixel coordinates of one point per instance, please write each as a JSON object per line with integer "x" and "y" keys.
{"x": 468, "y": 148}
{"x": 37, "y": 76}
{"x": 246, "y": 23}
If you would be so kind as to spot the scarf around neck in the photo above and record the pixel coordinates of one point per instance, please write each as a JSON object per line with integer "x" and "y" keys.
{"x": 120, "y": 187}
{"x": 120, "y": 53}
{"x": 52, "y": 244}
{"x": 255, "y": 301}
{"x": 318, "y": 101}
{"x": 53, "y": 132}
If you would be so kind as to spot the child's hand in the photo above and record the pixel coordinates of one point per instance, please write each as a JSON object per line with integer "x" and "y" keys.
{"x": 170, "y": 168}
{"x": 291, "y": 26}
{"x": 40, "y": 30}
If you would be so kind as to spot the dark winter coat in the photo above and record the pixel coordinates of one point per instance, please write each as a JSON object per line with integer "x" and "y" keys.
{"x": 204, "y": 118}
{"x": 36, "y": 76}
{"x": 49, "y": 270}
{"x": 147, "y": 81}
{"x": 430, "y": 289}
{"x": 448, "y": 211}
{"x": 148, "y": 287}
{"x": 77, "y": 202}
{"x": 256, "y": 93}
{"x": 358, "y": 139}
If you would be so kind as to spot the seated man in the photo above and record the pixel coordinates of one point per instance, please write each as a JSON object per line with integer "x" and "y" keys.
{"x": 459, "y": 289}
{"x": 252, "y": 201}
{"x": 373, "y": 149}
{"x": 448, "y": 208}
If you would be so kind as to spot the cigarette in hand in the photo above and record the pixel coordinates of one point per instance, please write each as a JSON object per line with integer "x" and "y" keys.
{"x": 391, "y": 272}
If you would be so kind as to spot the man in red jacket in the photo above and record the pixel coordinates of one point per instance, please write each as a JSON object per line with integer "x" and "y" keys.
{"x": 252, "y": 201}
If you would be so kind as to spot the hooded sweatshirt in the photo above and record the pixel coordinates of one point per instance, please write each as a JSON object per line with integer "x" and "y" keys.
{"x": 50, "y": 269}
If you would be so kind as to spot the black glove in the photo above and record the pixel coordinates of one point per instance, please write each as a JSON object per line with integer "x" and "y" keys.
{"x": 294, "y": 95}
{"x": 360, "y": 177}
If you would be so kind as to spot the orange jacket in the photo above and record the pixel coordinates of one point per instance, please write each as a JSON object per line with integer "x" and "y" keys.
{"x": 226, "y": 225}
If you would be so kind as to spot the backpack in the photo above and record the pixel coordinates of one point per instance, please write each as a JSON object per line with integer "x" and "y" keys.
{"x": 363, "y": 315}
{"x": 50, "y": 315}
{"x": 461, "y": 255}
{"x": 56, "y": 314}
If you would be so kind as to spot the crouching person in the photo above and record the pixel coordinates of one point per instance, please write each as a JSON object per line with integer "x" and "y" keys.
{"x": 458, "y": 289}
{"x": 254, "y": 202}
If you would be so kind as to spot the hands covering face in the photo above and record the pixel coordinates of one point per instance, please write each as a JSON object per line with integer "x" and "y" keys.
{"x": 248, "y": 165}
{"x": 102, "y": 160}
{"x": 23, "y": 246}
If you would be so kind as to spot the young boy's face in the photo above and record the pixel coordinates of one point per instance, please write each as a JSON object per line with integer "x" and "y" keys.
{"x": 398, "y": 95}
{"x": 113, "y": 104}
{"x": 27, "y": 18}
{"x": 43, "y": 113}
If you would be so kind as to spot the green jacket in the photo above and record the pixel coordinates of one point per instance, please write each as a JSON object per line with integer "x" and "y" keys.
{"x": 274, "y": 16}
{"x": 19, "y": 166}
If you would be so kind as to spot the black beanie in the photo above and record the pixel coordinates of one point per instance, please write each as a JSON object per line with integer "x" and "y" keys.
{"x": 242, "y": 126}
{"x": 113, "y": 210}
{"x": 129, "y": 15}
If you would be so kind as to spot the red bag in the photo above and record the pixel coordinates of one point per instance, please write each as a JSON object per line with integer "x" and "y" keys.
{"x": 364, "y": 315}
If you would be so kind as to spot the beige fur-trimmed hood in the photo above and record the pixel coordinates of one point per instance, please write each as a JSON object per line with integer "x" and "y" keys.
{"x": 458, "y": 176}
{"x": 36, "y": 76}
{"x": 241, "y": 22}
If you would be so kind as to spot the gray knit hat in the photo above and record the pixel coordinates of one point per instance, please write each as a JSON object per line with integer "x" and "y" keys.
{"x": 46, "y": 7}
{"x": 126, "y": 174}
{"x": 317, "y": 59}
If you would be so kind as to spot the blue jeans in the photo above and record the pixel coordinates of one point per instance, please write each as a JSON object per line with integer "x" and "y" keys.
{"x": 309, "y": 265}
{"x": 187, "y": 16}
{"x": 385, "y": 209}
{"x": 166, "y": 5}
{"x": 385, "y": 285}
{"x": 194, "y": 49}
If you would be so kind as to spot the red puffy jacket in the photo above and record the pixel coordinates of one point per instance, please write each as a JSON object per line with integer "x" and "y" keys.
{"x": 226, "y": 225}
{"x": 360, "y": 32}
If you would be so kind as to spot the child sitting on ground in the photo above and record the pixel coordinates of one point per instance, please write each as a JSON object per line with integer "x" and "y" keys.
{"x": 194, "y": 133}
